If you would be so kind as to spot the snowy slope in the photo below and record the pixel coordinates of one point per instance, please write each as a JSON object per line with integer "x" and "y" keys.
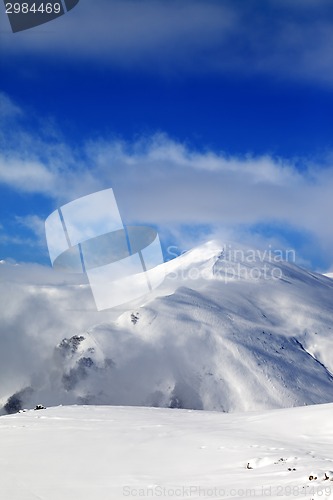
{"x": 217, "y": 335}
{"x": 106, "y": 453}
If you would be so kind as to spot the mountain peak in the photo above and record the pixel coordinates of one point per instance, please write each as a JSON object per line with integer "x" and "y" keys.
{"x": 229, "y": 329}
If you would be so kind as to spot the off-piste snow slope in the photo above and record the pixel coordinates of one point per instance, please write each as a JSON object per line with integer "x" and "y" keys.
{"x": 111, "y": 453}
{"x": 229, "y": 330}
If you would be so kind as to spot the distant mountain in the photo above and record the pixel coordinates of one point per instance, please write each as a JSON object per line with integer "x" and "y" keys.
{"x": 229, "y": 330}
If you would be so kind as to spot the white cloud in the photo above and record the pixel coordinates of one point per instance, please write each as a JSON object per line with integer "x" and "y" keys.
{"x": 8, "y": 108}
{"x": 26, "y": 175}
{"x": 32, "y": 222}
{"x": 288, "y": 39}
{"x": 162, "y": 181}
{"x": 128, "y": 32}
{"x": 39, "y": 307}
{"x": 6, "y": 239}
{"x": 36, "y": 225}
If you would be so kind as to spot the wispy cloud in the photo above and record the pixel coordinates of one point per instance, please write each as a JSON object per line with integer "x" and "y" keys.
{"x": 7, "y": 108}
{"x": 288, "y": 39}
{"x": 36, "y": 225}
{"x": 162, "y": 181}
{"x": 25, "y": 175}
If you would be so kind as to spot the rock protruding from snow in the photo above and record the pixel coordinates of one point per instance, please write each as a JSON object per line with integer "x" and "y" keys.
{"x": 208, "y": 338}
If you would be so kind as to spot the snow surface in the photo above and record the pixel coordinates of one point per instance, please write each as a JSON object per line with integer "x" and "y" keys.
{"x": 105, "y": 453}
{"x": 219, "y": 334}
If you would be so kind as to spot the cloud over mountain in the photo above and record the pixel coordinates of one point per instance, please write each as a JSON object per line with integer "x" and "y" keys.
{"x": 227, "y": 330}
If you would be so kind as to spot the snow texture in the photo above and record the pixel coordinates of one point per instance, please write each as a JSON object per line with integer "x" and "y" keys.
{"x": 106, "y": 453}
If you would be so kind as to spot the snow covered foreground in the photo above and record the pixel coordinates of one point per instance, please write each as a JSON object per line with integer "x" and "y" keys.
{"x": 105, "y": 453}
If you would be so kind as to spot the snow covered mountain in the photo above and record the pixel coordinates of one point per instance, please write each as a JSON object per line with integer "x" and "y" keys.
{"x": 228, "y": 331}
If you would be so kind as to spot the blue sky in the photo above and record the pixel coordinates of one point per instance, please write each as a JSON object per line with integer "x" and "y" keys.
{"x": 209, "y": 118}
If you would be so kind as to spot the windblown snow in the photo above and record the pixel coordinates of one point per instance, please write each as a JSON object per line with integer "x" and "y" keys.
{"x": 219, "y": 334}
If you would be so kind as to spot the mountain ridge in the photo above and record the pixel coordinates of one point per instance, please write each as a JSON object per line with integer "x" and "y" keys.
{"x": 215, "y": 335}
